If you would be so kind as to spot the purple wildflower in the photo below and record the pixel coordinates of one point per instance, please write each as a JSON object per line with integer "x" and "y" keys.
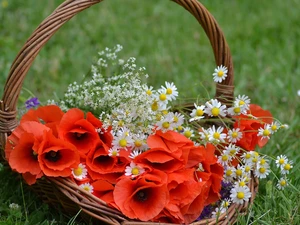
{"x": 206, "y": 212}
{"x": 225, "y": 190}
{"x": 32, "y": 102}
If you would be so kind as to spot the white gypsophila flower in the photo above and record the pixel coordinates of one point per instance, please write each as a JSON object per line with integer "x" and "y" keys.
{"x": 165, "y": 123}
{"x": 240, "y": 195}
{"x": 232, "y": 149}
{"x": 274, "y": 127}
{"x": 281, "y": 160}
{"x": 197, "y": 113}
{"x": 282, "y": 183}
{"x": 87, "y": 187}
{"x": 262, "y": 171}
{"x": 214, "y": 108}
{"x": 216, "y": 136}
{"x": 234, "y": 135}
{"x": 224, "y": 158}
{"x": 170, "y": 90}
{"x": 80, "y": 172}
{"x": 133, "y": 170}
{"x": 243, "y": 101}
{"x": 14, "y": 206}
{"x": 264, "y": 132}
{"x": 220, "y": 74}
{"x": 113, "y": 152}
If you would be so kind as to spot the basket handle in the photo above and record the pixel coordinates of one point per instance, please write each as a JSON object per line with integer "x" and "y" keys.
{"x": 68, "y": 9}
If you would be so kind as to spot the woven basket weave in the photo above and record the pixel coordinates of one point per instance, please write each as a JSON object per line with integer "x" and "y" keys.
{"x": 61, "y": 191}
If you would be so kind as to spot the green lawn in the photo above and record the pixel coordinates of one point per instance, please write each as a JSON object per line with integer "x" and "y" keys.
{"x": 264, "y": 40}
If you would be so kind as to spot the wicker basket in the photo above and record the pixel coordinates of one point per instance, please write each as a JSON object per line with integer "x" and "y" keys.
{"x": 63, "y": 192}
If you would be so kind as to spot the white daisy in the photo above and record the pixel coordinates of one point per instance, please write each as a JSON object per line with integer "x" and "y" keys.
{"x": 216, "y": 136}
{"x": 281, "y": 160}
{"x": 240, "y": 183}
{"x": 224, "y": 158}
{"x": 134, "y": 154}
{"x": 218, "y": 212}
{"x": 285, "y": 168}
{"x": 162, "y": 98}
{"x": 229, "y": 174}
{"x": 123, "y": 139}
{"x": 178, "y": 119}
{"x": 148, "y": 90}
{"x": 247, "y": 158}
{"x": 170, "y": 90}
{"x": 234, "y": 135}
{"x": 282, "y": 183}
{"x": 240, "y": 171}
{"x": 87, "y": 187}
{"x": 262, "y": 171}
{"x": 243, "y": 101}
{"x": 236, "y": 110}
{"x": 275, "y": 126}
{"x": 240, "y": 194}
{"x": 215, "y": 108}
{"x": 80, "y": 172}
{"x": 265, "y": 132}
{"x": 232, "y": 149}
{"x": 166, "y": 123}
{"x": 220, "y": 74}
{"x": 139, "y": 142}
{"x": 188, "y": 132}
{"x": 113, "y": 152}
{"x": 204, "y": 135}
{"x": 133, "y": 170}
{"x": 225, "y": 203}
{"x": 197, "y": 113}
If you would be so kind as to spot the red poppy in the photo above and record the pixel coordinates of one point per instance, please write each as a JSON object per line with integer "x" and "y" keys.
{"x": 168, "y": 151}
{"x": 104, "y": 190}
{"x": 75, "y": 129}
{"x": 49, "y": 115}
{"x": 250, "y": 127}
{"x": 57, "y": 157}
{"x": 105, "y": 134}
{"x": 142, "y": 198}
{"x": 102, "y": 166}
{"x": 22, "y": 150}
{"x": 212, "y": 173}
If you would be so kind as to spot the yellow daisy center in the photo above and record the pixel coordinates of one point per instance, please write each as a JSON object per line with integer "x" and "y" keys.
{"x": 274, "y": 127}
{"x": 232, "y": 152}
{"x": 175, "y": 119}
{"x": 248, "y": 156}
{"x": 234, "y": 134}
{"x": 135, "y": 171}
{"x": 166, "y": 125}
{"x": 149, "y": 92}
{"x": 228, "y": 172}
{"x": 266, "y": 132}
{"x": 199, "y": 112}
{"x": 247, "y": 169}
{"x": 220, "y": 73}
{"x": 154, "y": 106}
{"x": 237, "y": 110}
{"x": 123, "y": 143}
{"x": 281, "y": 161}
{"x": 242, "y": 184}
{"x": 163, "y": 97}
{"x": 226, "y": 204}
{"x": 87, "y": 188}
{"x": 114, "y": 153}
{"x": 241, "y": 102}
{"x": 165, "y": 112}
{"x": 282, "y": 183}
{"x": 262, "y": 170}
{"x": 188, "y": 133}
{"x": 224, "y": 158}
{"x": 240, "y": 195}
{"x": 78, "y": 171}
{"x": 138, "y": 143}
{"x": 215, "y": 111}
{"x": 169, "y": 91}
{"x": 216, "y": 135}
{"x": 239, "y": 172}
{"x": 287, "y": 166}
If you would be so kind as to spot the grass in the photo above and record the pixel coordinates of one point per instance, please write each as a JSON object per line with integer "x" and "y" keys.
{"x": 264, "y": 41}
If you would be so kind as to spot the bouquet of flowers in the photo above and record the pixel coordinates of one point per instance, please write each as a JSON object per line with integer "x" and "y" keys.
{"x": 131, "y": 146}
